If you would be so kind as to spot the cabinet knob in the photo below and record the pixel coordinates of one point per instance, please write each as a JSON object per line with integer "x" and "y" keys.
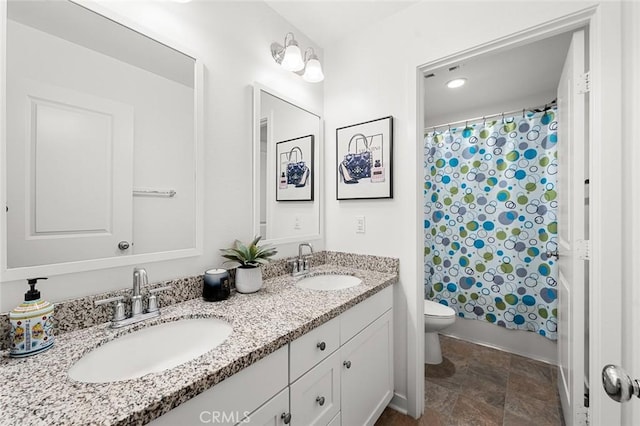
{"x": 286, "y": 417}
{"x": 123, "y": 245}
{"x": 322, "y": 346}
{"x": 320, "y": 400}
{"x": 347, "y": 364}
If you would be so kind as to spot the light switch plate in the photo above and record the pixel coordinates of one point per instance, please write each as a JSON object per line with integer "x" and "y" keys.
{"x": 361, "y": 225}
{"x": 296, "y": 223}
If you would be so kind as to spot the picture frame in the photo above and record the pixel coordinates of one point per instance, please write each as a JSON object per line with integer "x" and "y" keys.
{"x": 364, "y": 160}
{"x": 295, "y": 169}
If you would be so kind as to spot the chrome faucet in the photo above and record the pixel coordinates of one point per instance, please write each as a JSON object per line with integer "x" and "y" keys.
{"x": 301, "y": 265}
{"x": 139, "y": 280}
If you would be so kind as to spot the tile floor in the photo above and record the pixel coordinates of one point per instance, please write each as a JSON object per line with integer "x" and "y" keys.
{"x": 476, "y": 385}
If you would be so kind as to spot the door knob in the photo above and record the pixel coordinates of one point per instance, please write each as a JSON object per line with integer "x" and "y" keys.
{"x": 123, "y": 245}
{"x": 618, "y": 385}
{"x": 286, "y": 418}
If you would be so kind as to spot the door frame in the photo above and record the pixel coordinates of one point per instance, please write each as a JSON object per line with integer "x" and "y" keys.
{"x": 602, "y": 22}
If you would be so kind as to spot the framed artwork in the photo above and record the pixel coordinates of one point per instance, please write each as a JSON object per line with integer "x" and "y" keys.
{"x": 364, "y": 159}
{"x": 294, "y": 169}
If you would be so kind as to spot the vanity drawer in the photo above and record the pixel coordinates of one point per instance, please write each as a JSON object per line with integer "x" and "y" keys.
{"x": 315, "y": 397}
{"x": 313, "y": 347}
{"x": 364, "y": 313}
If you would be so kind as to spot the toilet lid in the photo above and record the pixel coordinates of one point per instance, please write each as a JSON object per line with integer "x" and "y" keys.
{"x": 435, "y": 309}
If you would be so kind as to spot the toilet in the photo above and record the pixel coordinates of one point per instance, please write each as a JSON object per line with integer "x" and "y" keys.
{"x": 436, "y": 317}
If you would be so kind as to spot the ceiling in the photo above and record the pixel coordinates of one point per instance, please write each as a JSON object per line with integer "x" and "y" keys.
{"x": 327, "y": 21}
{"x": 497, "y": 81}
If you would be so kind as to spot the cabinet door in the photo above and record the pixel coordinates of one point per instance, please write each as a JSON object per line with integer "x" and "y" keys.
{"x": 315, "y": 397}
{"x": 367, "y": 372}
{"x": 232, "y": 399}
{"x": 273, "y": 413}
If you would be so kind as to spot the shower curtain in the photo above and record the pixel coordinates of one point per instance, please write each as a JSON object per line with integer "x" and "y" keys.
{"x": 490, "y": 217}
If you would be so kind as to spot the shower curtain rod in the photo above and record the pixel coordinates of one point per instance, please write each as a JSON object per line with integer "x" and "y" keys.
{"x": 539, "y": 108}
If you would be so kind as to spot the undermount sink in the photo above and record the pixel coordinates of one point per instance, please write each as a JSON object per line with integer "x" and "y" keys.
{"x": 150, "y": 350}
{"x": 329, "y": 282}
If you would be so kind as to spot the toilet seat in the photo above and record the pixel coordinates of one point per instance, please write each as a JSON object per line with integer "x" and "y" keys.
{"x": 437, "y": 310}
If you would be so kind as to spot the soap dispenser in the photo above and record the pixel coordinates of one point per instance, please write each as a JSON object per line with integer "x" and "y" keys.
{"x": 31, "y": 324}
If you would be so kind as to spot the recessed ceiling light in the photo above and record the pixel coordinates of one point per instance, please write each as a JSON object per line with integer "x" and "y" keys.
{"x": 457, "y": 82}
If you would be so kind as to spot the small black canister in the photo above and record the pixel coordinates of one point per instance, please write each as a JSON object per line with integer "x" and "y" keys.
{"x": 216, "y": 285}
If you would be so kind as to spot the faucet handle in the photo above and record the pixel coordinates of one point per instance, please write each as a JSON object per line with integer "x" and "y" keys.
{"x": 306, "y": 263}
{"x": 118, "y": 310}
{"x": 153, "y": 300}
{"x": 295, "y": 265}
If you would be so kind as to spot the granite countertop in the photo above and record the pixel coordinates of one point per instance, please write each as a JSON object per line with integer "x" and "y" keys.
{"x": 37, "y": 390}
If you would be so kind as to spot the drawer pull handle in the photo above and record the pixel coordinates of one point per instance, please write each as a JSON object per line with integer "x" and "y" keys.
{"x": 320, "y": 400}
{"x": 286, "y": 417}
{"x": 347, "y": 364}
{"x": 322, "y": 346}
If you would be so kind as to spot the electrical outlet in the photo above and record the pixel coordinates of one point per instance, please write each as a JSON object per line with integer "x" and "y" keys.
{"x": 296, "y": 223}
{"x": 360, "y": 225}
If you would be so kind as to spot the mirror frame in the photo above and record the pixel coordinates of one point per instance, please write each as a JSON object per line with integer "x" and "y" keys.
{"x": 258, "y": 88}
{"x": 12, "y": 274}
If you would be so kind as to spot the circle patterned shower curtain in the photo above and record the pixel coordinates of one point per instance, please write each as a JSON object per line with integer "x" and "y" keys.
{"x": 490, "y": 217}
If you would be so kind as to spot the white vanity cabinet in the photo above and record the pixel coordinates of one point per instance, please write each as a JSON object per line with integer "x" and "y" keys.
{"x": 356, "y": 380}
{"x": 340, "y": 373}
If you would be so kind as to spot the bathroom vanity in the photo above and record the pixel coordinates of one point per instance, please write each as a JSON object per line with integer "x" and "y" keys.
{"x": 295, "y": 356}
{"x": 339, "y": 373}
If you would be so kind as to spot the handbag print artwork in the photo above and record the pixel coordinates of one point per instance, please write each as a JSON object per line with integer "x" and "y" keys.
{"x": 294, "y": 169}
{"x": 297, "y": 171}
{"x": 356, "y": 164}
{"x": 364, "y": 160}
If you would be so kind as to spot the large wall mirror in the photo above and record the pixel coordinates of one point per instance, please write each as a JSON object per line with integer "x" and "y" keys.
{"x": 287, "y": 146}
{"x": 102, "y": 142}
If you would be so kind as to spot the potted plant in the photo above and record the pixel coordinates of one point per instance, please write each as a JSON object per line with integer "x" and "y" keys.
{"x": 250, "y": 257}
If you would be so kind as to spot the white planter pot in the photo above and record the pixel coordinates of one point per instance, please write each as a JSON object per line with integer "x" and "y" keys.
{"x": 248, "y": 280}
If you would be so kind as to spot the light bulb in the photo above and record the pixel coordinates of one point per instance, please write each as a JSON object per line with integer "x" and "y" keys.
{"x": 313, "y": 71}
{"x": 458, "y": 82}
{"x": 292, "y": 60}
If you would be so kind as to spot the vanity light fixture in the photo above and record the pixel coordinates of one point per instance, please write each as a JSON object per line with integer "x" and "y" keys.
{"x": 456, "y": 82}
{"x": 290, "y": 58}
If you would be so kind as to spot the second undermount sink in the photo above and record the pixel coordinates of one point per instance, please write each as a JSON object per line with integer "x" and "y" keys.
{"x": 150, "y": 350}
{"x": 329, "y": 282}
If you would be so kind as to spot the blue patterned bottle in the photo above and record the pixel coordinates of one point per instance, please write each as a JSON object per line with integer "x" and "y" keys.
{"x": 31, "y": 324}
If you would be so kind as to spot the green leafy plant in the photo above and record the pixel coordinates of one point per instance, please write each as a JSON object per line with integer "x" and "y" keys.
{"x": 249, "y": 255}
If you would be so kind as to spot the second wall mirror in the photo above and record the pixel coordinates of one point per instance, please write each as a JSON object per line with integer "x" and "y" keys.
{"x": 286, "y": 165}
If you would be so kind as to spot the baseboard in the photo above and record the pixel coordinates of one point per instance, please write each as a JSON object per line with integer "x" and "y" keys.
{"x": 399, "y": 403}
{"x": 517, "y": 342}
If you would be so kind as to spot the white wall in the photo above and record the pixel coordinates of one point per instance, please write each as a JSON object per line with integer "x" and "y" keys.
{"x": 232, "y": 39}
{"x": 372, "y": 74}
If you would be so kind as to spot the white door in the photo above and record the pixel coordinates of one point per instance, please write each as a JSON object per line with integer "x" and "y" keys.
{"x": 571, "y": 234}
{"x": 69, "y": 175}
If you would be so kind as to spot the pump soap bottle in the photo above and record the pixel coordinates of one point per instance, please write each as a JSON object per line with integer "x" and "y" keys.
{"x": 31, "y": 324}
